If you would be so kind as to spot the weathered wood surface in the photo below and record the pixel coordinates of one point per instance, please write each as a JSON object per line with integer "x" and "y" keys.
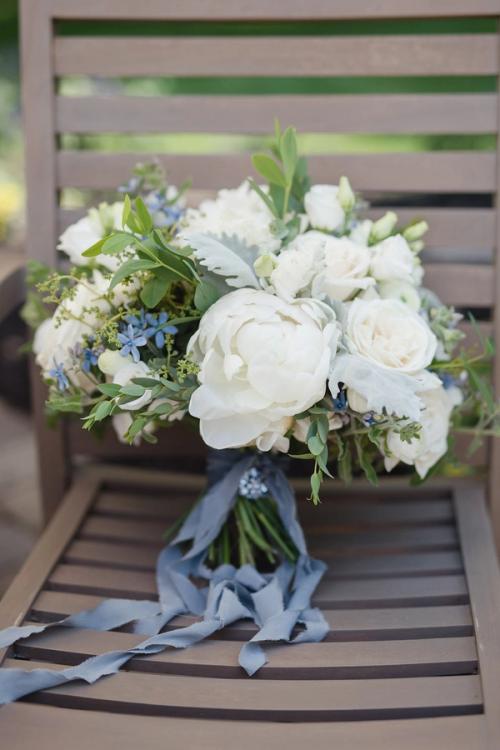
{"x": 406, "y": 55}
{"x": 407, "y": 641}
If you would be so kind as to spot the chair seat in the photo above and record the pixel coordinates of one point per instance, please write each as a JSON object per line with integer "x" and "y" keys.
{"x": 412, "y": 596}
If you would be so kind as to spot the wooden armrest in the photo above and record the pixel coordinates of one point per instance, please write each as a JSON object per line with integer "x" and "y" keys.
{"x": 12, "y": 273}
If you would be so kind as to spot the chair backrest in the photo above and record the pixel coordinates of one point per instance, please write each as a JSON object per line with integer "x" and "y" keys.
{"x": 402, "y": 97}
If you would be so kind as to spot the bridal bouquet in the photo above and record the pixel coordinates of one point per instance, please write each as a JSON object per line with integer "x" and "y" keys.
{"x": 272, "y": 315}
{"x": 279, "y": 323}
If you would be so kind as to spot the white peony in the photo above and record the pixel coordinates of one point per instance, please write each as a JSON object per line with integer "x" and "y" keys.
{"x": 296, "y": 265}
{"x": 87, "y": 231}
{"x": 262, "y": 361}
{"x": 344, "y": 272}
{"x": 424, "y": 451}
{"x": 390, "y": 334}
{"x": 393, "y": 259}
{"x": 239, "y": 212}
{"x": 323, "y": 207}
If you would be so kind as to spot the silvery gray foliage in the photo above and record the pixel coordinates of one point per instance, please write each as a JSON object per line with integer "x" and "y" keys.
{"x": 226, "y": 256}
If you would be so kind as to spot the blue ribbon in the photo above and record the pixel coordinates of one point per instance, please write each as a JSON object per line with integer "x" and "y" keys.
{"x": 277, "y": 602}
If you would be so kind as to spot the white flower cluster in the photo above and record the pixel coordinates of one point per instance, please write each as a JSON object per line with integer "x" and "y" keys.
{"x": 338, "y": 311}
{"x": 308, "y": 311}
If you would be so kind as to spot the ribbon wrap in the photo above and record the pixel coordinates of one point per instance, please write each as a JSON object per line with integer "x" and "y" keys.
{"x": 277, "y": 602}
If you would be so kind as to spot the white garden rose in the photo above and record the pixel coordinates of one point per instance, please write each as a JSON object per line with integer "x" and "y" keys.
{"x": 344, "y": 270}
{"x": 390, "y": 334}
{"x": 297, "y": 264}
{"x": 262, "y": 361}
{"x": 388, "y": 348}
{"x": 323, "y": 207}
{"x": 90, "y": 229}
{"x": 239, "y": 212}
{"x": 424, "y": 451}
{"x": 393, "y": 259}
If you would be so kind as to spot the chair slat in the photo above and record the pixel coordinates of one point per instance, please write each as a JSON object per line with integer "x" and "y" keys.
{"x": 122, "y": 530}
{"x": 338, "y": 593}
{"x": 372, "y": 624}
{"x": 262, "y": 10}
{"x": 28, "y": 724}
{"x": 464, "y": 54}
{"x": 398, "y": 113}
{"x": 219, "y": 658}
{"x": 460, "y": 229}
{"x": 128, "y": 557}
{"x": 366, "y": 514}
{"x": 276, "y": 700}
{"x": 429, "y": 172}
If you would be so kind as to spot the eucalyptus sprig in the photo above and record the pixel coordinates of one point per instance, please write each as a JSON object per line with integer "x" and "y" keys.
{"x": 286, "y": 174}
{"x": 161, "y": 261}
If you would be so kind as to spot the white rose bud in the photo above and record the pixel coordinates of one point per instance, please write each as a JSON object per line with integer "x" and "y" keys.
{"x": 415, "y": 231}
{"x": 323, "y": 207}
{"x": 110, "y": 362}
{"x": 383, "y": 227}
{"x": 346, "y": 196}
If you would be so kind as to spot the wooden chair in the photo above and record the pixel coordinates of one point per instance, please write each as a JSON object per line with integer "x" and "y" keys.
{"x": 413, "y": 592}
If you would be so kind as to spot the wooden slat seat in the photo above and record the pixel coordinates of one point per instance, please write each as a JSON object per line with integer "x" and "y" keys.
{"x": 405, "y": 640}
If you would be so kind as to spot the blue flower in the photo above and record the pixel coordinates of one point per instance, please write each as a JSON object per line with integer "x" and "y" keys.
{"x": 164, "y": 213}
{"x": 447, "y": 380}
{"x": 158, "y": 327}
{"x": 340, "y": 403}
{"x": 60, "y": 376}
{"x": 89, "y": 358}
{"x": 131, "y": 339}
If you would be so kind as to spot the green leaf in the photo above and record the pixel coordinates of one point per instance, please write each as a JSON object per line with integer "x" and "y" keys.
{"x": 71, "y": 404}
{"x": 323, "y": 427}
{"x": 205, "y": 296}
{"x": 315, "y": 486}
{"x": 145, "y": 382}
{"x": 116, "y": 243}
{"x": 268, "y": 168}
{"x": 129, "y": 268}
{"x": 127, "y": 207}
{"x": 144, "y": 216}
{"x": 302, "y": 456}
{"x": 94, "y": 250}
{"x": 315, "y": 445}
{"x": 109, "y": 389}
{"x": 288, "y": 147}
{"x": 132, "y": 390}
{"x": 133, "y": 224}
{"x": 153, "y": 291}
{"x": 103, "y": 410}
{"x": 263, "y": 196}
{"x": 365, "y": 464}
